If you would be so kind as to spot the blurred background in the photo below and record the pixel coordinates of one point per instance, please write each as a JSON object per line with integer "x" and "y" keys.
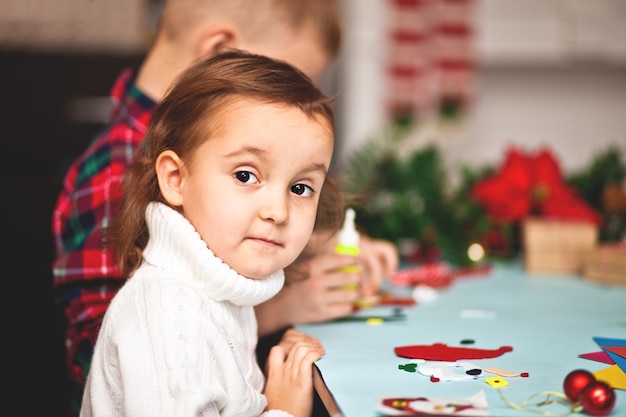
{"x": 530, "y": 72}
{"x": 470, "y": 77}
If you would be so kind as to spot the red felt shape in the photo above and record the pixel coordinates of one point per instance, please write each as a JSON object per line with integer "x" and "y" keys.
{"x": 443, "y": 352}
{"x": 618, "y": 350}
{"x": 601, "y": 356}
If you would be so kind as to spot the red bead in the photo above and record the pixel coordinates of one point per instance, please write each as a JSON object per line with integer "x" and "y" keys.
{"x": 434, "y": 379}
{"x": 575, "y": 382}
{"x": 524, "y": 375}
{"x": 598, "y": 398}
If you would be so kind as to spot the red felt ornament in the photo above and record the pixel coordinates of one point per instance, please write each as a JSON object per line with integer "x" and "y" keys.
{"x": 575, "y": 382}
{"x": 598, "y": 398}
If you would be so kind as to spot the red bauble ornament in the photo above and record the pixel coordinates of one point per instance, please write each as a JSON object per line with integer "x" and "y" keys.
{"x": 598, "y": 398}
{"x": 575, "y": 383}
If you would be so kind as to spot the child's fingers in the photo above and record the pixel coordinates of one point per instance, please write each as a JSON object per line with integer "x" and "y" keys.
{"x": 276, "y": 357}
{"x": 289, "y": 385}
{"x": 302, "y": 356}
{"x": 293, "y": 336}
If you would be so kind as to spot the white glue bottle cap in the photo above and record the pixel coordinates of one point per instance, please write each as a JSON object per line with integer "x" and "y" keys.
{"x": 348, "y": 235}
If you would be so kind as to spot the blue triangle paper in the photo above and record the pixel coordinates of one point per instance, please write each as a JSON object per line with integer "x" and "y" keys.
{"x": 608, "y": 342}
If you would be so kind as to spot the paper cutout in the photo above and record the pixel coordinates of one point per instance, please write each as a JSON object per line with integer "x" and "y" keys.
{"x": 409, "y": 367}
{"x": 474, "y": 406}
{"x": 601, "y": 356}
{"x": 502, "y": 372}
{"x": 621, "y": 351}
{"x": 615, "y": 349}
{"x": 445, "y": 353}
{"x": 449, "y": 371}
{"x": 496, "y": 381}
{"x": 606, "y": 343}
{"x": 613, "y": 376}
{"x": 379, "y": 314}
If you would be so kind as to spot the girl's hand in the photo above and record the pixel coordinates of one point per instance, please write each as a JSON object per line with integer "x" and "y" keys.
{"x": 293, "y": 336}
{"x": 289, "y": 385}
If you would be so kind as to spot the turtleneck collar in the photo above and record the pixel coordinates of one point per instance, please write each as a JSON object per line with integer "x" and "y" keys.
{"x": 176, "y": 246}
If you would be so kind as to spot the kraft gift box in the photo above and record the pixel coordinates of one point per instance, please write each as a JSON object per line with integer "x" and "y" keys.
{"x": 606, "y": 264}
{"x": 557, "y": 246}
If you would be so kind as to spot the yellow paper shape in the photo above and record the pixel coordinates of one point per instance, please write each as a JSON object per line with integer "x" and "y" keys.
{"x": 613, "y": 375}
{"x": 496, "y": 381}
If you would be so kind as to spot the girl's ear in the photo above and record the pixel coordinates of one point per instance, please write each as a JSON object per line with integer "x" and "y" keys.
{"x": 215, "y": 40}
{"x": 169, "y": 173}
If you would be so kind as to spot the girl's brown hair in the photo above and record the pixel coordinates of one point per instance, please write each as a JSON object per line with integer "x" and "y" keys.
{"x": 190, "y": 114}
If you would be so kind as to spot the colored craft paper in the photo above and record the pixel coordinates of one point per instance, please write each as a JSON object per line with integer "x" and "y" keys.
{"x": 601, "y": 356}
{"x": 613, "y": 375}
{"x": 474, "y": 406}
{"x": 502, "y": 372}
{"x": 621, "y": 351}
{"x": 450, "y": 371}
{"x": 606, "y": 344}
{"x": 445, "y": 353}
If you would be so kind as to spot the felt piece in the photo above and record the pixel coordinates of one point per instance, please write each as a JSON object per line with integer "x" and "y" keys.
{"x": 375, "y": 315}
{"x": 621, "y": 351}
{"x": 434, "y": 275}
{"x": 449, "y": 371}
{"x": 445, "y": 353}
{"x": 392, "y": 300}
{"x": 613, "y": 376}
{"x": 601, "y": 356}
{"x": 496, "y": 381}
{"x": 409, "y": 367}
{"x": 474, "y": 406}
{"x": 502, "y": 372}
{"x": 607, "y": 343}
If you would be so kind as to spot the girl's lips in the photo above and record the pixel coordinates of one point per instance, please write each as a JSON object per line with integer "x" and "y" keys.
{"x": 265, "y": 241}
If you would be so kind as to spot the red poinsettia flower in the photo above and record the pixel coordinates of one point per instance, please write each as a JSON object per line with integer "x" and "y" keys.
{"x": 531, "y": 184}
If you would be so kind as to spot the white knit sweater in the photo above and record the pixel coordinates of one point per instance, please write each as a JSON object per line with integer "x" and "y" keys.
{"x": 179, "y": 338}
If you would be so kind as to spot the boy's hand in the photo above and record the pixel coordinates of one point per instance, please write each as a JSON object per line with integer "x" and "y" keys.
{"x": 380, "y": 260}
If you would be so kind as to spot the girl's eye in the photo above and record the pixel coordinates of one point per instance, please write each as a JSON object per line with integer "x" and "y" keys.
{"x": 302, "y": 190}
{"x": 246, "y": 177}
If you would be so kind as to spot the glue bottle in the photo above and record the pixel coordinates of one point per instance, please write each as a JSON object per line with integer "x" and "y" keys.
{"x": 348, "y": 238}
{"x": 348, "y": 244}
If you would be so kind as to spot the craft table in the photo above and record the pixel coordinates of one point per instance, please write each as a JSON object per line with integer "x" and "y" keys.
{"x": 549, "y": 320}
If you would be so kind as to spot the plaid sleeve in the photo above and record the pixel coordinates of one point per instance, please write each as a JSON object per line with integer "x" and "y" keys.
{"x": 92, "y": 190}
{"x": 91, "y": 193}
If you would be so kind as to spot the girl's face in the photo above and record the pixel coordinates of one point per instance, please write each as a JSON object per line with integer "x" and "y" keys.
{"x": 252, "y": 190}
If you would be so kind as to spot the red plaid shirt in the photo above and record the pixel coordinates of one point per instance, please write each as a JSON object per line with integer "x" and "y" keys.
{"x": 92, "y": 189}
{"x": 86, "y": 276}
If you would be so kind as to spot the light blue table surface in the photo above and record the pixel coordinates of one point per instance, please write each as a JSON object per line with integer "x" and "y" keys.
{"x": 548, "y": 320}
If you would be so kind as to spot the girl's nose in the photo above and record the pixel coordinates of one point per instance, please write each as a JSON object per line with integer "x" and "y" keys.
{"x": 275, "y": 208}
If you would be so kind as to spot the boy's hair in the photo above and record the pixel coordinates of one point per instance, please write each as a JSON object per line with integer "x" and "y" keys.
{"x": 191, "y": 113}
{"x": 257, "y": 19}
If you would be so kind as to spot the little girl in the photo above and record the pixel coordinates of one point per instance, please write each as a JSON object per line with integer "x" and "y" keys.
{"x": 222, "y": 196}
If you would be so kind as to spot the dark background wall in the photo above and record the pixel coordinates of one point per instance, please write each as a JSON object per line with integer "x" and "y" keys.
{"x": 38, "y": 141}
